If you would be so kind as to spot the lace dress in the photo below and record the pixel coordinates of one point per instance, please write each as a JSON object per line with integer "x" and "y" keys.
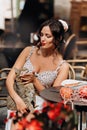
{"x": 47, "y": 77}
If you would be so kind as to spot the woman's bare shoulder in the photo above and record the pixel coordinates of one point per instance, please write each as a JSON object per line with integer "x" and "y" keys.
{"x": 65, "y": 65}
{"x": 27, "y": 50}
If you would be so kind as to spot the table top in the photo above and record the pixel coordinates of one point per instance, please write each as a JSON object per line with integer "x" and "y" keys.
{"x": 52, "y": 94}
{"x": 56, "y": 97}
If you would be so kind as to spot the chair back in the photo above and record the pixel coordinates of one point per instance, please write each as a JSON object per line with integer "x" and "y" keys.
{"x": 71, "y": 72}
{"x": 80, "y": 68}
{"x": 3, "y": 91}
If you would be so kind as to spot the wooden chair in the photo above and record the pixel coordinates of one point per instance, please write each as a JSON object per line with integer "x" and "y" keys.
{"x": 3, "y": 91}
{"x": 84, "y": 74}
{"x": 80, "y": 68}
{"x": 70, "y": 47}
{"x": 71, "y": 72}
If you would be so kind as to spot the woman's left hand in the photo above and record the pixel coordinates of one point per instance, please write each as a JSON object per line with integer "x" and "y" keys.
{"x": 28, "y": 78}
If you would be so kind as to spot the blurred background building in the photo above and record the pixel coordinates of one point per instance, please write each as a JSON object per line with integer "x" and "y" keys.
{"x": 30, "y": 13}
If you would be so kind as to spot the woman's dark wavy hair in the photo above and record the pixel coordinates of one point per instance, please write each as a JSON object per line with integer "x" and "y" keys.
{"x": 58, "y": 32}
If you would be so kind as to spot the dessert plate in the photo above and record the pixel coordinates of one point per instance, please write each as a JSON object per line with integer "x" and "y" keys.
{"x": 73, "y": 83}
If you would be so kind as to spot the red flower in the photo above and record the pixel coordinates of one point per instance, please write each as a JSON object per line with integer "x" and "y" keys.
{"x": 67, "y": 107}
{"x": 54, "y": 111}
{"x": 45, "y": 104}
{"x": 34, "y": 125}
{"x": 53, "y": 114}
{"x": 20, "y": 127}
{"x": 6, "y": 120}
{"x": 12, "y": 114}
{"x": 60, "y": 121}
{"x": 23, "y": 123}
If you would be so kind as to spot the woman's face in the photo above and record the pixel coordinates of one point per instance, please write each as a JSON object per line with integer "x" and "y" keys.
{"x": 46, "y": 37}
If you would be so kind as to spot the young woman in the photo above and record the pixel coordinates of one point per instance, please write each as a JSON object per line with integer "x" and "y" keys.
{"x": 44, "y": 62}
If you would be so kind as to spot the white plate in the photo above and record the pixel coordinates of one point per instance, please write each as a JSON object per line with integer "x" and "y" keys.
{"x": 73, "y": 83}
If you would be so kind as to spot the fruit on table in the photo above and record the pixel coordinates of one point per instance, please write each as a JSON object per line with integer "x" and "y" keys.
{"x": 83, "y": 91}
{"x": 66, "y": 92}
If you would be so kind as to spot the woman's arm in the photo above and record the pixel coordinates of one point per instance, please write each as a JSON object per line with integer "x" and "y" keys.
{"x": 11, "y": 78}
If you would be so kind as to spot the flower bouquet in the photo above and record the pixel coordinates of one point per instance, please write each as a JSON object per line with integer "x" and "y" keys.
{"x": 53, "y": 116}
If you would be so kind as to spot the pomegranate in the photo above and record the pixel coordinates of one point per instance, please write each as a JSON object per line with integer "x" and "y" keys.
{"x": 66, "y": 92}
{"x": 83, "y": 91}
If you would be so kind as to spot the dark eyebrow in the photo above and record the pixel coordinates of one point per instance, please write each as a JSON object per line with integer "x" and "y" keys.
{"x": 46, "y": 34}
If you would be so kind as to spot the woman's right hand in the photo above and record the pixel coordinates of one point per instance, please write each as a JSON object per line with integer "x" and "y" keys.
{"x": 28, "y": 78}
{"x": 21, "y": 106}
